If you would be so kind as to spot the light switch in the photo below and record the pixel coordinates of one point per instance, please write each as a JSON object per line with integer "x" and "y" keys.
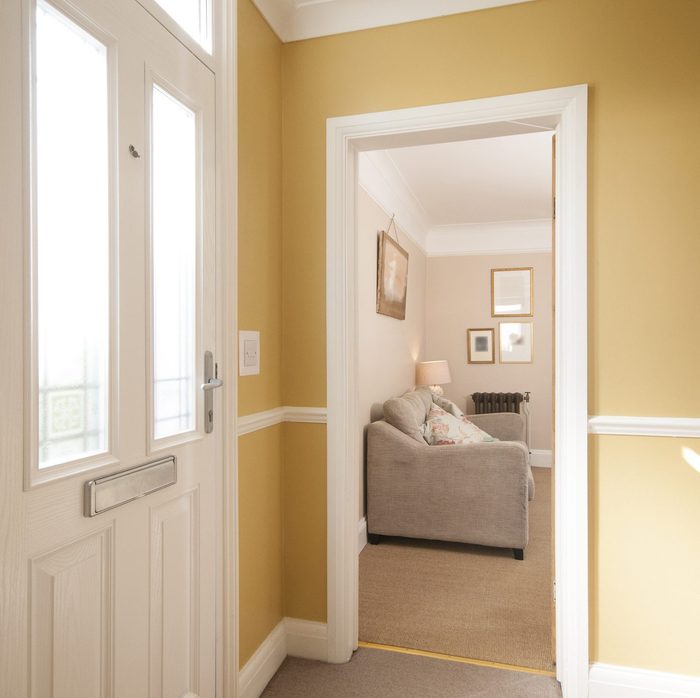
{"x": 248, "y": 353}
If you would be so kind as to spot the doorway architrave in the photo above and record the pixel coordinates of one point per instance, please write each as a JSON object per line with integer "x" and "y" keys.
{"x": 564, "y": 110}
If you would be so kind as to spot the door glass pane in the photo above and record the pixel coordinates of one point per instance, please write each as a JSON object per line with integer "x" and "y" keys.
{"x": 72, "y": 239}
{"x": 174, "y": 258}
{"x": 194, "y": 16}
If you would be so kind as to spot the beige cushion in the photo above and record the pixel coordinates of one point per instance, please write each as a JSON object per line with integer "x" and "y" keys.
{"x": 408, "y": 412}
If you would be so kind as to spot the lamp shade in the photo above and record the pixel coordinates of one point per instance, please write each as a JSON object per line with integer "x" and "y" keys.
{"x": 433, "y": 373}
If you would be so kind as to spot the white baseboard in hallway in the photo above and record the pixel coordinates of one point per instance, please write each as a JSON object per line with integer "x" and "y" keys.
{"x": 306, "y": 639}
{"x": 291, "y": 636}
{"x": 609, "y": 681}
{"x": 361, "y": 534}
{"x": 540, "y": 458}
{"x": 261, "y": 667}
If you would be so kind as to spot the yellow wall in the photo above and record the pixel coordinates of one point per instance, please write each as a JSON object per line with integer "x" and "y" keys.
{"x": 305, "y": 521}
{"x": 645, "y": 518}
{"x": 641, "y": 59}
{"x": 260, "y": 473}
{"x": 261, "y": 555}
{"x": 260, "y": 204}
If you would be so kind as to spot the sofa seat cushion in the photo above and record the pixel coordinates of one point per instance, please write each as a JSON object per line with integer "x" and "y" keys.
{"x": 408, "y": 412}
{"x": 444, "y": 429}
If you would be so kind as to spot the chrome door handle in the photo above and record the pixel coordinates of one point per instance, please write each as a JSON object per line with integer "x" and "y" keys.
{"x": 212, "y": 384}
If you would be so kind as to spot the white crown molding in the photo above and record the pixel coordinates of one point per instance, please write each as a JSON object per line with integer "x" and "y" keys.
{"x": 688, "y": 427}
{"x": 380, "y": 178}
{"x": 293, "y": 20}
{"x": 262, "y": 666}
{"x": 306, "y": 639}
{"x": 608, "y": 681}
{"x": 262, "y": 420}
{"x": 504, "y": 237}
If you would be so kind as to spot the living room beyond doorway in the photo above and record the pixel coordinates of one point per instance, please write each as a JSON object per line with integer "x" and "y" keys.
{"x": 475, "y": 232}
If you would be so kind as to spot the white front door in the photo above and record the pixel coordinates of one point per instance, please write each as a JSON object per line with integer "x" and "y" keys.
{"x": 107, "y": 276}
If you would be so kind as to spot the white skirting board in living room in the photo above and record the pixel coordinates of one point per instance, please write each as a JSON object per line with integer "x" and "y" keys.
{"x": 609, "y": 681}
{"x": 361, "y": 534}
{"x": 291, "y": 636}
{"x": 540, "y": 458}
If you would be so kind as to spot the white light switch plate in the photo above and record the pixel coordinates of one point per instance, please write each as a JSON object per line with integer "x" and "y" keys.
{"x": 248, "y": 353}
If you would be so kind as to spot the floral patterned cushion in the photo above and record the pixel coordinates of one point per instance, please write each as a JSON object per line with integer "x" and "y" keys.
{"x": 443, "y": 429}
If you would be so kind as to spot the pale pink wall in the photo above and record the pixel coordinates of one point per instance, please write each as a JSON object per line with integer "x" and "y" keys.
{"x": 388, "y": 348}
{"x": 458, "y": 298}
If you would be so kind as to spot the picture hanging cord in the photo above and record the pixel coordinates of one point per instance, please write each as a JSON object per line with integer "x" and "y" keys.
{"x": 396, "y": 230}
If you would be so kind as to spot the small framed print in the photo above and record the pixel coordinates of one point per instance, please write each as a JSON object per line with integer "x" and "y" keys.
{"x": 515, "y": 342}
{"x": 480, "y": 346}
{"x": 512, "y": 292}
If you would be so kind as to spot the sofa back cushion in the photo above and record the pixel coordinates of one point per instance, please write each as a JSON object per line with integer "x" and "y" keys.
{"x": 408, "y": 412}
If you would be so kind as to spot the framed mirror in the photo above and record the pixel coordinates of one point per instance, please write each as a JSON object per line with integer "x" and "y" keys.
{"x": 512, "y": 292}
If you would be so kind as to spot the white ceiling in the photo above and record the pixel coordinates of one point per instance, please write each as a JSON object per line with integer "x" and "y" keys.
{"x": 293, "y": 20}
{"x": 480, "y": 181}
{"x": 469, "y": 197}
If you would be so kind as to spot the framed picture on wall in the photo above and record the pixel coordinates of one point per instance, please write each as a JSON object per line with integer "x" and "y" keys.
{"x": 512, "y": 292}
{"x": 480, "y": 348}
{"x": 515, "y": 342}
{"x": 392, "y": 278}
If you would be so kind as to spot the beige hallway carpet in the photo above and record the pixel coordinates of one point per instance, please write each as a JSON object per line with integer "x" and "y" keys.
{"x": 463, "y": 600}
{"x": 379, "y": 674}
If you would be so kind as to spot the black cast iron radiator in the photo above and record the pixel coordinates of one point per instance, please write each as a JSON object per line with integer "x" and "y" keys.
{"x": 487, "y": 403}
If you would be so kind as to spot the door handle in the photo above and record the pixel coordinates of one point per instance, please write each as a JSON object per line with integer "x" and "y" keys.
{"x": 211, "y": 383}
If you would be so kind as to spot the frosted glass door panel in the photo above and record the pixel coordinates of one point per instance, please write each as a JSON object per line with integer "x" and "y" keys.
{"x": 174, "y": 258}
{"x": 194, "y": 16}
{"x": 72, "y": 239}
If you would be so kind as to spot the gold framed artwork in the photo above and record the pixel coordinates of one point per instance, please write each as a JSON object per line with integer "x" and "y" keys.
{"x": 480, "y": 349}
{"x": 515, "y": 342}
{"x": 512, "y": 292}
{"x": 392, "y": 277}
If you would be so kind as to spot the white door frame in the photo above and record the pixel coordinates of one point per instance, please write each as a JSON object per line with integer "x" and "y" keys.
{"x": 565, "y": 110}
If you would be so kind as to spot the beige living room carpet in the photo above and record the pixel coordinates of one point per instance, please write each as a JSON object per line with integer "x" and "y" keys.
{"x": 464, "y": 600}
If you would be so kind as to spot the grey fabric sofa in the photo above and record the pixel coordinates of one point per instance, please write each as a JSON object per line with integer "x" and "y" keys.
{"x": 470, "y": 493}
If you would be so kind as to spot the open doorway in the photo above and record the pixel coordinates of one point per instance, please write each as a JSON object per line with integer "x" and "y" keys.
{"x": 564, "y": 110}
{"x": 444, "y": 517}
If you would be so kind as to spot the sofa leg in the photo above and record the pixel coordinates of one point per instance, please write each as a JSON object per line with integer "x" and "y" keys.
{"x": 518, "y": 553}
{"x": 373, "y": 538}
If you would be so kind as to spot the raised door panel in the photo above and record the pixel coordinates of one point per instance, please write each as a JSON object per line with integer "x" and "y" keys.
{"x": 174, "y": 598}
{"x": 71, "y": 620}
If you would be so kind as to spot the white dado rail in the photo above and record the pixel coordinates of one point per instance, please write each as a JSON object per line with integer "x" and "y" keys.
{"x": 685, "y": 427}
{"x": 268, "y": 418}
{"x": 688, "y": 427}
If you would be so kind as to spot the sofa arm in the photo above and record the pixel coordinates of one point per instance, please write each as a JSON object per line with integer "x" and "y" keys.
{"x": 505, "y": 426}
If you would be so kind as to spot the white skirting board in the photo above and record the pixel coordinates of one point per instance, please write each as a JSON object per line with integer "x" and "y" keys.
{"x": 540, "y": 458}
{"x": 361, "y": 534}
{"x": 306, "y": 639}
{"x": 291, "y": 636}
{"x": 608, "y": 681}
{"x": 261, "y": 667}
